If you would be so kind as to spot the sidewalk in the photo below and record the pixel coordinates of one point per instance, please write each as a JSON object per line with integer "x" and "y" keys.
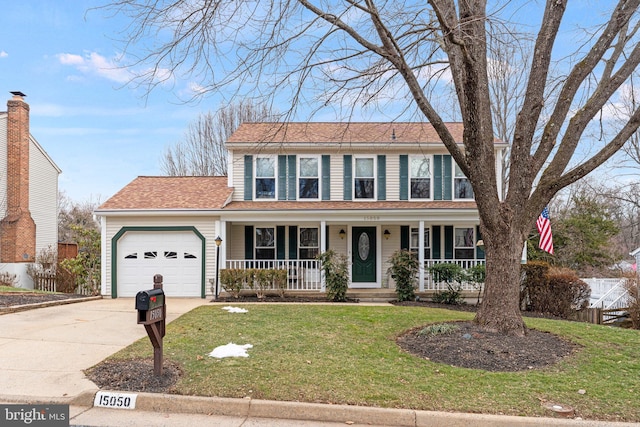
{"x": 43, "y": 353}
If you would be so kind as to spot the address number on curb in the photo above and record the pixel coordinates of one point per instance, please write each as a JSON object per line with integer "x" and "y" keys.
{"x": 107, "y": 399}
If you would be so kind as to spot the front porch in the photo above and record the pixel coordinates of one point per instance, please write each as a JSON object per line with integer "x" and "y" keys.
{"x": 304, "y": 276}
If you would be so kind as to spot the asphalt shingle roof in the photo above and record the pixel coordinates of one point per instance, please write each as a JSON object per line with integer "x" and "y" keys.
{"x": 165, "y": 192}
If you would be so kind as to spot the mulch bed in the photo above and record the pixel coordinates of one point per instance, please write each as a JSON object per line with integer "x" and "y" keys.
{"x": 10, "y": 299}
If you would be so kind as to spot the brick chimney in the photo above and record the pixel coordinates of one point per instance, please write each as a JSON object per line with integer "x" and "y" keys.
{"x": 17, "y": 228}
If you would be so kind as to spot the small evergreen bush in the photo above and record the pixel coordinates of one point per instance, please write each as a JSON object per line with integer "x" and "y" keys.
{"x": 404, "y": 270}
{"x": 450, "y": 274}
{"x": 232, "y": 280}
{"x": 336, "y": 275}
{"x": 439, "y": 329}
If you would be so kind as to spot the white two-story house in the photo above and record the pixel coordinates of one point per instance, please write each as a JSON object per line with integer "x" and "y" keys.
{"x": 293, "y": 191}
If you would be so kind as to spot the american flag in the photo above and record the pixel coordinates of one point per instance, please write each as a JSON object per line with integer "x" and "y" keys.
{"x": 544, "y": 228}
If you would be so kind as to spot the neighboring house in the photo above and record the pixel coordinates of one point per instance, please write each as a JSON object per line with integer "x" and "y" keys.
{"x": 28, "y": 193}
{"x": 293, "y": 191}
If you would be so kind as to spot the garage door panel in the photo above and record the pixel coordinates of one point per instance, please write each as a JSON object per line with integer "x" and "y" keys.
{"x": 177, "y": 256}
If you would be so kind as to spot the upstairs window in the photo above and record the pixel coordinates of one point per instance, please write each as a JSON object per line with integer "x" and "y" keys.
{"x": 420, "y": 178}
{"x": 265, "y": 243}
{"x": 364, "y": 178}
{"x": 265, "y": 178}
{"x": 309, "y": 243}
{"x": 308, "y": 182}
{"x": 461, "y": 185}
{"x": 415, "y": 243}
{"x": 463, "y": 243}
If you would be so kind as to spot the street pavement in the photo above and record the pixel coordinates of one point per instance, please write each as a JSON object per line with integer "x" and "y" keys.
{"x": 44, "y": 351}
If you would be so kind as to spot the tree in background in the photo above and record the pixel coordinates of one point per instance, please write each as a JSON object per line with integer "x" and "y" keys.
{"x": 85, "y": 266}
{"x": 359, "y": 54}
{"x": 202, "y": 151}
{"x": 72, "y": 214}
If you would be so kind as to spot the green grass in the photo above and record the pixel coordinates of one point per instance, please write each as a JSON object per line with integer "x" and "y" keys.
{"x": 18, "y": 290}
{"x": 348, "y": 355}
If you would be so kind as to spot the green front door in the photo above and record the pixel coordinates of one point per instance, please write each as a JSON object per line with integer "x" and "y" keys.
{"x": 364, "y": 254}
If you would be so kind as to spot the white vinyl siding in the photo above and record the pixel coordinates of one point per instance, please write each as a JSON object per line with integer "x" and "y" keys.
{"x": 238, "y": 177}
{"x": 393, "y": 177}
{"x": 337, "y": 172}
{"x": 43, "y": 197}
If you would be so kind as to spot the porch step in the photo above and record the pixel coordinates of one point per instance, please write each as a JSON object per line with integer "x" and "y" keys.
{"x": 372, "y": 295}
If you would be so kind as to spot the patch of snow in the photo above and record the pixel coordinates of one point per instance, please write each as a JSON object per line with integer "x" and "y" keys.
{"x": 231, "y": 350}
{"x": 235, "y": 309}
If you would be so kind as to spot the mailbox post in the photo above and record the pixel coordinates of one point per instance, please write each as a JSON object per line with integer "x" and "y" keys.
{"x": 152, "y": 311}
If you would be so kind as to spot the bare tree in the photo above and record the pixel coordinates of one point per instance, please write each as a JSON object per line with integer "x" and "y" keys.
{"x": 202, "y": 151}
{"x": 72, "y": 214}
{"x": 363, "y": 53}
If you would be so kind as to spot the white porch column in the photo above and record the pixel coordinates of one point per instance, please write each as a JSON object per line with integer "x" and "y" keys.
{"x": 420, "y": 255}
{"x": 323, "y": 244}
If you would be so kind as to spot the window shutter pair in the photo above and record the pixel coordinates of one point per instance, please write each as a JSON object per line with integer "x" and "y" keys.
{"x": 348, "y": 177}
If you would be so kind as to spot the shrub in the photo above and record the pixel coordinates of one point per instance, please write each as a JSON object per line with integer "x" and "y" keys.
{"x": 280, "y": 281}
{"x": 559, "y": 292}
{"x": 534, "y": 281}
{"x": 448, "y": 273}
{"x": 404, "y": 270}
{"x": 263, "y": 282}
{"x": 477, "y": 275}
{"x": 232, "y": 280}
{"x": 336, "y": 275}
{"x": 8, "y": 279}
{"x": 439, "y": 329}
{"x": 633, "y": 301}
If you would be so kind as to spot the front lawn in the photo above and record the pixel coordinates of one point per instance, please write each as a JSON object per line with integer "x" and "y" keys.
{"x": 346, "y": 354}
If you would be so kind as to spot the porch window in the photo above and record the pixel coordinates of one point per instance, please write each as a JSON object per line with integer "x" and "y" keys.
{"x": 265, "y": 243}
{"x": 420, "y": 178}
{"x": 265, "y": 178}
{"x": 308, "y": 182}
{"x": 364, "y": 178}
{"x": 309, "y": 243}
{"x": 414, "y": 246}
{"x": 463, "y": 243}
{"x": 461, "y": 185}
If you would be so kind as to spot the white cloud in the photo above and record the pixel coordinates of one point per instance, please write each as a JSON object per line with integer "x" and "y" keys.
{"x": 95, "y": 64}
{"x": 3, "y": 54}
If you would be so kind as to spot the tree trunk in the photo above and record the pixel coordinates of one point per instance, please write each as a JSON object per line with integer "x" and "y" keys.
{"x": 500, "y": 307}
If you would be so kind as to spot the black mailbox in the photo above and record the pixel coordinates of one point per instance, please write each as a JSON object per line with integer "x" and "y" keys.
{"x": 150, "y": 299}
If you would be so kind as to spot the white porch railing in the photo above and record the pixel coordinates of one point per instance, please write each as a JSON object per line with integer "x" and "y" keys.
{"x": 305, "y": 275}
{"x": 302, "y": 275}
{"x": 432, "y": 285}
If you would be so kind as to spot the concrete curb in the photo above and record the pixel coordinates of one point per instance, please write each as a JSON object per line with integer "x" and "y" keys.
{"x": 24, "y": 307}
{"x": 253, "y": 408}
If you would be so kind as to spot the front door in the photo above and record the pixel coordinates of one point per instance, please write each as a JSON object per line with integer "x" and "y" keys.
{"x": 364, "y": 255}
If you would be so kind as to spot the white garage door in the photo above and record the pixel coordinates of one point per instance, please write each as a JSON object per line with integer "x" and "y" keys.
{"x": 177, "y": 255}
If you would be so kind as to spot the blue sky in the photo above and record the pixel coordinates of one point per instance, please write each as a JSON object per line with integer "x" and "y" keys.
{"x": 100, "y": 131}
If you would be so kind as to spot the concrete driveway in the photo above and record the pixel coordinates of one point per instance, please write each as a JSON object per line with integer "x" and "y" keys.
{"x": 43, "y": 352}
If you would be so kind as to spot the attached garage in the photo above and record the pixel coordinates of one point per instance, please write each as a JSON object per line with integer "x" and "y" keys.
{"x": 177, "y": 253}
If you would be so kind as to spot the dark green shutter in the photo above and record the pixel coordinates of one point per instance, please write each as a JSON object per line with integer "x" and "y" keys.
{"x": 248, "y": 177}
{"x": 404, "y": 177}
{"x": 479, "y": 250}
{"x": 435, "y": 240}
{"x": 348, "y": 178}
{"x": 293, "y": 242}
{"x": 282, "y": 177}
{"x": 404, "y": 237}
{"x": 448, "y": 242}
{"x": 446, "y": 177}
{"x": 437, "y": 177}
{"x": 382, "y": 177}
{"x": 292, "y": 193}
{"x": 280, "y": 242}
{"x": 248, "y": 242}
{"x": 326, "y": 238}
{"x": 326, "y": 177}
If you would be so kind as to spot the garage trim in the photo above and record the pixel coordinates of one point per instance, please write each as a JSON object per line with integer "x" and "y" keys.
{"x": 123, "y": 230}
